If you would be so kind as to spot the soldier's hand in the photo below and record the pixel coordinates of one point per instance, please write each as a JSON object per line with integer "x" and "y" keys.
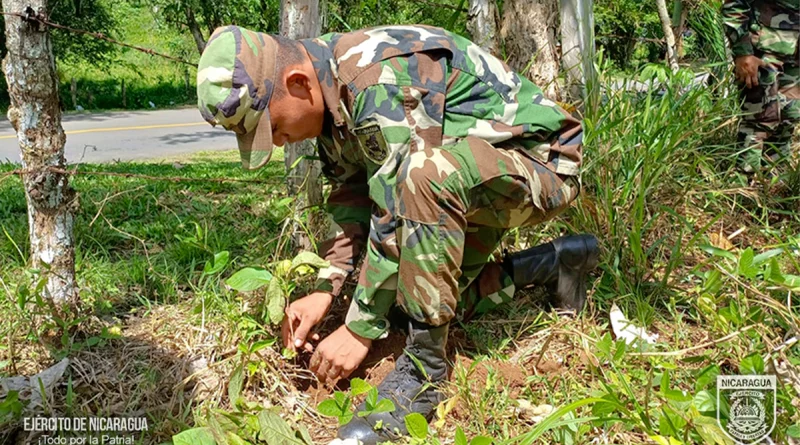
{"x": 339, "y": 355}
{"x": 301, "y": 316}
{"x": 746, "y": 69}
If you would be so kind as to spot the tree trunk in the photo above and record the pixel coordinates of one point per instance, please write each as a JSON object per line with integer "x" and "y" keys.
{"x": 577, "y": 46}
{"x": 34, "y": 113}
{"x": 191, "y": 22}
{"x": 679, "y": 25}
{"x": 300, "y": 19}
{"x": 528, "y": 33}
{"x": 482, "y": 25}
{"x": 666, "y": 25}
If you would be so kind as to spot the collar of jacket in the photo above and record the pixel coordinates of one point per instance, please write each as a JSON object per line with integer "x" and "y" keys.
{"x": 333, "y": 90}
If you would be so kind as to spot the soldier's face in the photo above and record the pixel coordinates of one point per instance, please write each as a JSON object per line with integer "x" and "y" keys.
{"x": 298, "y": 114}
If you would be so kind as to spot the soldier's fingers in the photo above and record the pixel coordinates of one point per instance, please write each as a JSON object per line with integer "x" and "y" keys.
{"x": 334, "y": 373}
{"x": 322, "y": 371}
{"x": 302, "y": 331}
{"x": 314, "y": 363}
{"x": 308, "y": 347}
{"x": 286, "y": 332}
{"x": 315, "y": 337}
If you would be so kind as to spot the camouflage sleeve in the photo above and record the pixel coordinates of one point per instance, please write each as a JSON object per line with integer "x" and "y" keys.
{"x": 349, "y": 207}
{"x": 410, "y": 119}
{"x": 737, "y": 18}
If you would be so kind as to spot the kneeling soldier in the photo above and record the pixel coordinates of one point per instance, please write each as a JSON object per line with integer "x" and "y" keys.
{"x": 435, "y": 149}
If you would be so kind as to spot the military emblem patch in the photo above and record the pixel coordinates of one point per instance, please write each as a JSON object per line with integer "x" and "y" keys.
{"x": 372, "y": 142}
{"x": 751, "y": 406}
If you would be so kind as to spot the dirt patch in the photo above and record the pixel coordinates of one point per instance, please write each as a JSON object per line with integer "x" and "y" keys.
{"x": 509, "y": 375}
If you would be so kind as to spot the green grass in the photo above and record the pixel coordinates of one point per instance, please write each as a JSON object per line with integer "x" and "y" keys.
{"x": 689, "y": 252}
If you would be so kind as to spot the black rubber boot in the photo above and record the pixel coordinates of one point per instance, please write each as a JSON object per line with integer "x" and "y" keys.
{"x": 561, "y": 265}
{"x": 408, "y": 387}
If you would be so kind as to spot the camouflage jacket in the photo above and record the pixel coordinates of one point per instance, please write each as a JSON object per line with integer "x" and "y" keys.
{"x": 392, "y": 91}
{"x": 766, "y": 26}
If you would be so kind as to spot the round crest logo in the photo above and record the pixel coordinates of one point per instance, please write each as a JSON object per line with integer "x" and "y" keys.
{"x": 751, "y": 406}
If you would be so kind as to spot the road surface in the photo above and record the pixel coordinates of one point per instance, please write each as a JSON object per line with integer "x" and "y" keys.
{"x": 129, "y": 135}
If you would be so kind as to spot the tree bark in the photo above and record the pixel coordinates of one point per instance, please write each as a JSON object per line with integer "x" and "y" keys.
{"x": 300, "y": 19}
{"x": 528, "y": 33}
{"x": 482, "y": 25}
{"x": 679, "y": 13}
{"x": 34, "y": 113}
{"x": 666, "y": 25}
{"x": 577, "y": 46}
{"x": 191, "y": 22}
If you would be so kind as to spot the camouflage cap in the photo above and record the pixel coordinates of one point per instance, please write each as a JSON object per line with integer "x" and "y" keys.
{"x": 234, "y": 85}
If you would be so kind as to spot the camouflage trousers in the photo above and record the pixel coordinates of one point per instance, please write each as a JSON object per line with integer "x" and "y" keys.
{"x": 771, "y": 112}
{"x": 433, "y": 252}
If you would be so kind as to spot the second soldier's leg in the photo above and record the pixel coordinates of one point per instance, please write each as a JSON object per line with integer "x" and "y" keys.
{"x": 789, "y": 90}
{"x": 752, "y": 131}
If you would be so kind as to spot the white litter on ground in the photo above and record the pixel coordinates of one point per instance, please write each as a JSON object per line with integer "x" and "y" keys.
{"x": 626, "y": 330}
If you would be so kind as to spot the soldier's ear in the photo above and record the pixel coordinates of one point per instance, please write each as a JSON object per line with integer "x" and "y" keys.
{"x": 298, "y": 83}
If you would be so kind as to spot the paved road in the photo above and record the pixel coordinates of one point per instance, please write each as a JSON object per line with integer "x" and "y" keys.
{"x": 129, "y": 135}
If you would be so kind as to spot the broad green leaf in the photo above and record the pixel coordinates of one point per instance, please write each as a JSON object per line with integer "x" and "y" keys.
{"x": 308, "y": 259}
{"x": 359, "y": 386}
{"x": 792, "y": 282}
{"x": 677, "y": 396}
{"x": 273, "y": 429}
{"x": 261, "y": 344}
{"x": 461, "y": 439}
{"x": 217, "y": 431}
{"x": 764, "y": 256}
{"x": 234, "y": 439}
{"x": 709, "y": 430}
{"x": 705, "y": 402}
{"x": 481, "y": 440}
{"x": 753, "y": 364}
{"x": 716, "y": 251}
{"x": 773, "y": 272}
{"x": 706, "y": 376}
{"x": 713, "y": 282}
{"x": 372, "y": 398}
{"x": 329, "y": 408}
{"x": 194, "y": 436}
{"x": 340, "y": 397}
{"x": 793, "y": 431}
{"x": 249, "y": 279}
{"x": 417, "y": 426}
{"x": 235, "y": 385}
{"x": 219, "y": 263}
{"x": 746, "y": 266}
{"x": 345, "y": 418}
{"x": 384, "y": 406}
{"x": 604, "y": 345}
{"x": 276, "y": 301}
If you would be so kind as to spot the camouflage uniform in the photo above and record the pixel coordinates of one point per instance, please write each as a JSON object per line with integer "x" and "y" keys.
{"x": 434, "y": 148}
{"x": 769, "y": 30}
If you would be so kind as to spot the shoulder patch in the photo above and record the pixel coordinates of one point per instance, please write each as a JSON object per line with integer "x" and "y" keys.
{"x": 372, "y": 142}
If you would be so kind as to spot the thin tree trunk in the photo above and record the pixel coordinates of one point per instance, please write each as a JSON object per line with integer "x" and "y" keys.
{"x": 34, "y": 113}
{"x": 482, "y": 25}
{"x": 191, "y": 22}
{"x": 577, "y": 46}
{"x": 666, "y": 25}
{"x": 679, "y": 25}
{"x": 528, "y": 32}
{"x": 300, "y": 19}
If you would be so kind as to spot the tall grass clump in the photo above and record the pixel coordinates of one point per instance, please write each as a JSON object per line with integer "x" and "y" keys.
{"x": 648, "y": 150}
